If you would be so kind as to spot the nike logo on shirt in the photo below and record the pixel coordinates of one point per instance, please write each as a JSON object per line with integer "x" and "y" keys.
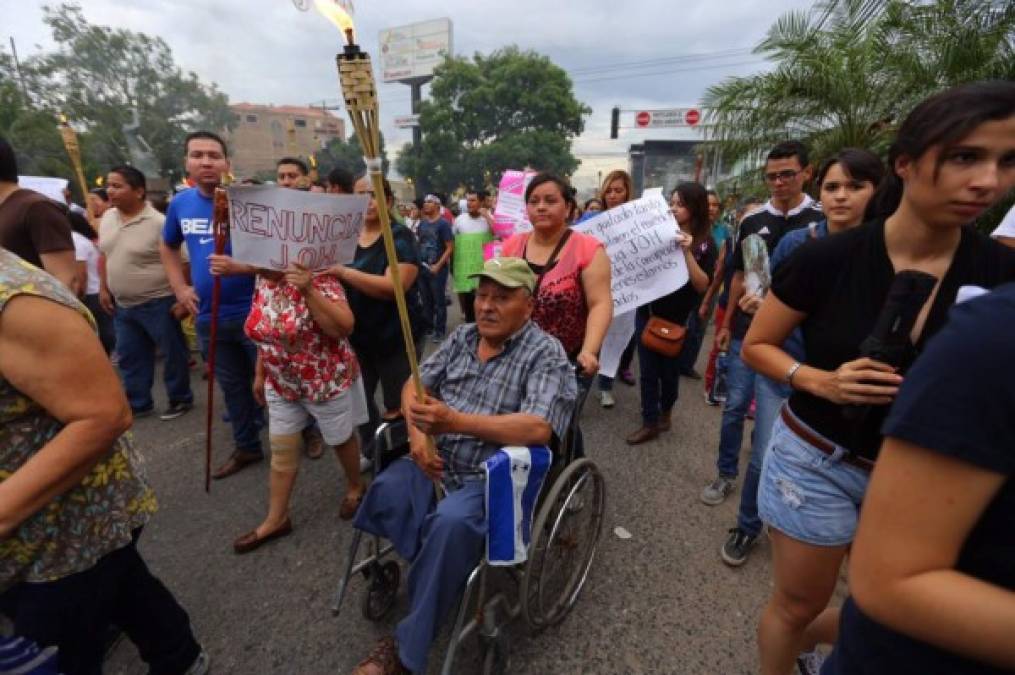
{"x": 205, "y": 240}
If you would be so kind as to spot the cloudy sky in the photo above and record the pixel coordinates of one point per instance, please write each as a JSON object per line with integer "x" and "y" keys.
{"x": 633, "y": 54}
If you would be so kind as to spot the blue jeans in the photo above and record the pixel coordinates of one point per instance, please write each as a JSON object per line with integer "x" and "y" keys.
{"x": 440, "y": 307}
{"x": 443, "y": 540}
{"x": 235, "y": 359}
{"x": 739, "y": 392}
{"x": 692, "y": 342}
{"x": 770, "y": 396}
{"x": 659, "y": 379}
{"x": 139, "y": 330}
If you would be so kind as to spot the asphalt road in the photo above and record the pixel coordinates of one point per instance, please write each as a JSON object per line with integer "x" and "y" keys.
{"x": 658, "y": 602}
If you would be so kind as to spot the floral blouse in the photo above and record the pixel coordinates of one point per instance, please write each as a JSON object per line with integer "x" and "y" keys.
{"x": 300, "y": 360}
{"x": 94, "y": 518}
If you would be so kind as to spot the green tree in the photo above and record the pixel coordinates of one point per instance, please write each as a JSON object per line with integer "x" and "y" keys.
{"x": 510, "y": 109}
{"x": 347, "y": 154}
{"x": 848, "y": 71}
{"x": 99, "y": 76}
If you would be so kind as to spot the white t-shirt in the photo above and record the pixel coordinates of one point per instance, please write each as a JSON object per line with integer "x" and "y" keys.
{"x": 466, "y": 224}
{"x": 85, "y": 251}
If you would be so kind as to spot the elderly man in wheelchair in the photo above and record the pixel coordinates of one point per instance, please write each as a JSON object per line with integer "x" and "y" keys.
{"x": 499, "y": 382}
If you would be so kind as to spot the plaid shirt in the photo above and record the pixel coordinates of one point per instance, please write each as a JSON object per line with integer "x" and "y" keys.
{"x": 531, "y": 375}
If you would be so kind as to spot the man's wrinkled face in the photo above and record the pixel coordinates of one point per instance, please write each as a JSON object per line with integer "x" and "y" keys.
{"x": 501, "y": 311}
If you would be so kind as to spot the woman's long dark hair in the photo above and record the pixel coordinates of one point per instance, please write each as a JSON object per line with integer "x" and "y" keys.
{"x": 566, "y": 191}
{"x": 857, "y": 163}
{"x": 943, "y": 119}
{"x": 695, "y": 199}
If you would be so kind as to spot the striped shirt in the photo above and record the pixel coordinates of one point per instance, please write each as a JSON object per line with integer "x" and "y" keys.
{"x": 531, "y": 375}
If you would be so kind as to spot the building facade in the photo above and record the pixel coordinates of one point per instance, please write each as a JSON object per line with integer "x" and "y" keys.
{"x": 265, "y": 133}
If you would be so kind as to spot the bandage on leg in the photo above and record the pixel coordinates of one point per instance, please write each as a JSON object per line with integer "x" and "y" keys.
{"x": 285, "y": 452}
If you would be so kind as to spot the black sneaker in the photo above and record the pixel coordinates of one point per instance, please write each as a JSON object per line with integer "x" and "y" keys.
{"x": 138, "y": 413}
{"x": 737, "y": 547}
{"x": 175, "y": 410}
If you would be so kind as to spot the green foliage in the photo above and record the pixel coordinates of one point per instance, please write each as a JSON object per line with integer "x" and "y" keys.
{"x": 848, "y": 71}
{"x": 347, "y": 154}
{"x": 98, "y": 76}
{"x": 510, "y": 109}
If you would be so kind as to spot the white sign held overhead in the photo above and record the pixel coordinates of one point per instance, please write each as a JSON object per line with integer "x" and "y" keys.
{"x": 51, "y": 187}
{"x": 407, "y": 121}
{"x": 272, "y": 227}
{"x": 667, "y": 118}
{"x": 413, "y": 51}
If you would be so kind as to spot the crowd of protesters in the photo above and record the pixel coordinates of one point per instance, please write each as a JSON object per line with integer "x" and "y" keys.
{"x": 800, "y": 287}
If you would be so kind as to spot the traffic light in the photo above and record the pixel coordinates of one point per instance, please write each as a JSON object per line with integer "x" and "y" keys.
{"x": 614, "y": 122}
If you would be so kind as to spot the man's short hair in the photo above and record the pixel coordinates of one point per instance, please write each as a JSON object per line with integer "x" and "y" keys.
{"x": 343, "y": 179}
{"x": 295, "y": 161}
{"x": 209, "y": 135}
{"x": 788, "y": 149}
{"x": 8, "y": 162}
{"x": 131, "y": 176}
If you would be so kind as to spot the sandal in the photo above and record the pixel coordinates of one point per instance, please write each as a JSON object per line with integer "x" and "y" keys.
{"x": 250, "y": 541}
{"x": 350, "y": 504}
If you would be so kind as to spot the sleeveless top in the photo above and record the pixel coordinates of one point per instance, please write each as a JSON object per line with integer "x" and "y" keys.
{"x": 561, "y": 308}
{"x": 92, "y": 519}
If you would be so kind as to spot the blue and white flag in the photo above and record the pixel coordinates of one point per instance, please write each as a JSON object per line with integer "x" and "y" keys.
{"x": 514, "y": 476}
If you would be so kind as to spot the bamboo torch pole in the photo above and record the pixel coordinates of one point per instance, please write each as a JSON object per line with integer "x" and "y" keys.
{"x": 70, "y": 143}
{"x": 360, "y": 93}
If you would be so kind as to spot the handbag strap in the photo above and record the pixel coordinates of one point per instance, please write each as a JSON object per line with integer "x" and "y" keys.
{"x": 549, "y": 261}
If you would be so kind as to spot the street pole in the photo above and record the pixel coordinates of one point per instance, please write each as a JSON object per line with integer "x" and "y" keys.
{"x": 416, "y": 85}
{"x": 17, "y": 67}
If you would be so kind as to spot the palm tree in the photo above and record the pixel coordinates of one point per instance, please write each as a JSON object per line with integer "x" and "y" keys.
{"x": 846, "y": 72}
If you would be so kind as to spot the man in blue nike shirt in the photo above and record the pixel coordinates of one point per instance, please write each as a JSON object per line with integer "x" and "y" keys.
{"x": 189, "y": 219}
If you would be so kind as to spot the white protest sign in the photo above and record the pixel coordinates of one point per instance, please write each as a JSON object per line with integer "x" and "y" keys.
{"x": 641, "y": 242}
{"x": 646, "y": 264}
{"x": 271, "y": 227}
{"x": 1007, "y": 226}
{"x": 615, "y": 342}
{"x": 51, "y": 187}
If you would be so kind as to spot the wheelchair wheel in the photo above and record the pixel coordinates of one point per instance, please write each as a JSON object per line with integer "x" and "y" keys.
{"x": 565, "y": 536}
{"x": 382, "y": 591}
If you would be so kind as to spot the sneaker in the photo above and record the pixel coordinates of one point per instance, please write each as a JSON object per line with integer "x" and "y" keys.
{"x": 606, "y": 399}
{"x": 734, "y": 552}
{"x": 138, "y": 413}
{"x": 710, "y": 399}
{"x": 200, "y": 665}
{"x": 178, "y": 409}
{"x": 717, "y": 491}
{"x": 809, "y": 663}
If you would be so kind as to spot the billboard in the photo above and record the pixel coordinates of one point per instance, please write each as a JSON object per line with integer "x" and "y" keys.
{"x": 412, "y": 51}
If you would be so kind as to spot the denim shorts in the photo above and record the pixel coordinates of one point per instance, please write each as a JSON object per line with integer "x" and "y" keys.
{"x": 809, "y": 495}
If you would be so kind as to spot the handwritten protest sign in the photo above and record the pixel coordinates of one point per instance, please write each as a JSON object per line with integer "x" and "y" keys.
{"x": 271, "y": 227}
{"x": 468, "y": 258}
{"x": 646, "y": 263}
{"x": 510, "y": 216}
{"x": 641, "y": 242}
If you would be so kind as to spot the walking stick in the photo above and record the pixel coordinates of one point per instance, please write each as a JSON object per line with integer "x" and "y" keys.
{"x": 220, "y": 231}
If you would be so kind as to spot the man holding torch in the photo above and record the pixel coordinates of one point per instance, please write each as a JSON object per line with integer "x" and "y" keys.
{"x": 189, "y": 219}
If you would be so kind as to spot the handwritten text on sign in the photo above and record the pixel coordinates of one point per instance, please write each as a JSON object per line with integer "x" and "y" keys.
{"x": 271, "y": 227}
{"x": 641, "y": 242}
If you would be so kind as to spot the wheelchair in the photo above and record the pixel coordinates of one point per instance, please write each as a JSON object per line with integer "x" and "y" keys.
{"x": 566, "y": 527}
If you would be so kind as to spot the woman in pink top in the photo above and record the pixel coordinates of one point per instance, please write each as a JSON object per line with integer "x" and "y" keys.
{"x": 573, "y": 300}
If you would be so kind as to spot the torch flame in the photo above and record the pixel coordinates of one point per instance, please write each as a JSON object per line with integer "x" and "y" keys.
{"x": 338, "y": 12}
{"x": 63, "y": 119}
